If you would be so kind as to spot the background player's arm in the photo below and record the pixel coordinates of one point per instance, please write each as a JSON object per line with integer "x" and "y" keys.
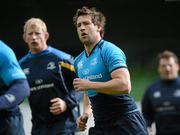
{"x": 72, "y": 98}
{"x": 147, "y": 111}
{"x": 16, "y": 93}
{"x": 12, "y": 77}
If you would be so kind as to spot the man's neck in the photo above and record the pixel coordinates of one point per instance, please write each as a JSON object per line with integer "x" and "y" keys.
{"x": 89, "y": 47}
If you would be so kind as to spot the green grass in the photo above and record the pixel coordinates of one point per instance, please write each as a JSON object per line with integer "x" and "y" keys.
{"x": 140, "y": 80}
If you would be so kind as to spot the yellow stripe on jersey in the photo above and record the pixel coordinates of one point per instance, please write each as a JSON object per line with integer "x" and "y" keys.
{"x": 66, "y": 65}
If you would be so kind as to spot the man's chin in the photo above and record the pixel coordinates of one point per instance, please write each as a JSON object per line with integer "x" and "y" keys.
{"x": 85, "y": 42}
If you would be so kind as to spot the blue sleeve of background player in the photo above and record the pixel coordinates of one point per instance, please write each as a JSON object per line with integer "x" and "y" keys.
{"x": 147, "y": 108}
{"x": 67, "y": 75}
{"x": 12, "y": 76}
{"x": 17, "y": 92}
{"x": 72, "y": 98}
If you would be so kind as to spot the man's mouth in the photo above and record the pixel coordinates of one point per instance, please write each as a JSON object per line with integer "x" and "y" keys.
{"x": 34, "y": 43}
{"x": 83, "y": 34}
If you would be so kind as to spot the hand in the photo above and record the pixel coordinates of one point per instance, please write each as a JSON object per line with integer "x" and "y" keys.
{"x": 151, "y": 131}
{"x": 81, "y": 122}
{"x": 58, "y": 106}
{"x": 81, "y": 84}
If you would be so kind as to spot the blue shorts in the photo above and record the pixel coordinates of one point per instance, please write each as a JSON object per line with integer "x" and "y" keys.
{"x": 130, "y": 124}
{"x": 11, "y": 123}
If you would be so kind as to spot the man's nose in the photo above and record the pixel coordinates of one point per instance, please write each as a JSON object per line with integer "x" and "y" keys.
{"x": 168, "y": 68}
{"x": 34, "y": 36}
{"x": 82, "y": 27}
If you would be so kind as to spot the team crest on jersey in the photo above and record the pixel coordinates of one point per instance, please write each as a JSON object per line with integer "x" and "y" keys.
{"x": 26, "y": 71}
{"x": 176, "y": 93}
{"x": 38, "y": 81}
{"x": 157, "y": 94}
{"x": 85, "y": 71}
{"x": 80, "y": 64}
{"x": 94, "y": 61}
{"x": 51, "y": 65}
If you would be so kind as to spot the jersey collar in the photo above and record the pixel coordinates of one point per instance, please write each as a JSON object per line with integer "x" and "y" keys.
{"x": 99, "y": 43}
{"x": 44, "y": 52}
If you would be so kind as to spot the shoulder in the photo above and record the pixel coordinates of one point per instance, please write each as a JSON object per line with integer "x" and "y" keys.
{"x": 178, "y": 80}
{"x": 108, "y": 45}
{"x": 6, "y": 53}
{"x": 23, "y": 59}
{"x": 5, "y": 50}
{"x": 154, "y": 85}
{"x": 110, "y": 48}
{"x": 61, "y": 54}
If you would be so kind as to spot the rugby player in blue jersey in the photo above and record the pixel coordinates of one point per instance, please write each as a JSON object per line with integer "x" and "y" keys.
{"x": 104, "y": 77}
{"x": 50, "y": 73}
{"x": 161, "y": 101}
{"x": 14, "y": 89}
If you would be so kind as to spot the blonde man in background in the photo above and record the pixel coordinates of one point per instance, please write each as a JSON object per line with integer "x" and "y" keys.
{"x": 50, "y": 72}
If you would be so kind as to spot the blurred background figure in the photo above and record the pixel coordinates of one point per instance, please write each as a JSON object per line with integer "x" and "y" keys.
{"x": 161, "y": 101}
{"x": 54, "y": 103}
{"x": 14, "y": 89}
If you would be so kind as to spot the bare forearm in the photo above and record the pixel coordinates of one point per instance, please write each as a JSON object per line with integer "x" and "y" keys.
{"x": 87, "y": 106}
{"x": 114, "y": 86}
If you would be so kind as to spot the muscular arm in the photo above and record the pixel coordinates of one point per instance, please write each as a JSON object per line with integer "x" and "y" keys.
{"x": 119, "y": 84}
{"x": 16, "y": 93}
{"x": 86, "y": 106}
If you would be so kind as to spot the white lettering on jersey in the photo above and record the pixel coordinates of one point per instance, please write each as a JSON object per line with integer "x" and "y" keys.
{"x": 93, "y": 77}
{"x": 11, "y": 98}
{"x": 40, "y": 87}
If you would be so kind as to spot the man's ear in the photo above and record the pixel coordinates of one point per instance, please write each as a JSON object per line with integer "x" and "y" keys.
{"x": 24, "y": 37}
{"x": 99, "y": 28}
{"x": 46, "y": 35}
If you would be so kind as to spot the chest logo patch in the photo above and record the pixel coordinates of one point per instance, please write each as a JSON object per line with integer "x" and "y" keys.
{"x": 26, "y": 71}
{"x": 176, "y": 93}
{"x": 85, "y": 71}
{"x": 38, "y": 81}
{"x": 157, "y": 94}
{"x": 94, "y": 61}
{"x": 80, "y": 64}
{"x": 51, "y": 66}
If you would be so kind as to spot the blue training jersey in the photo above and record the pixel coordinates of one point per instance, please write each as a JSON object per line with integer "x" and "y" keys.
{"x": 9, "y": 66}
{"x": 161, "y": 104}
{"x": 13, "y": 84}
{"x": 104, "y": 58}
{"x": 50, "y": 74}
{"x": 99, "y": 65}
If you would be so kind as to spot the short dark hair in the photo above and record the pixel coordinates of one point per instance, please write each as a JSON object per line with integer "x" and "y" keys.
{"x": 168, "y": 54}
{"x": 97, "y": 17}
